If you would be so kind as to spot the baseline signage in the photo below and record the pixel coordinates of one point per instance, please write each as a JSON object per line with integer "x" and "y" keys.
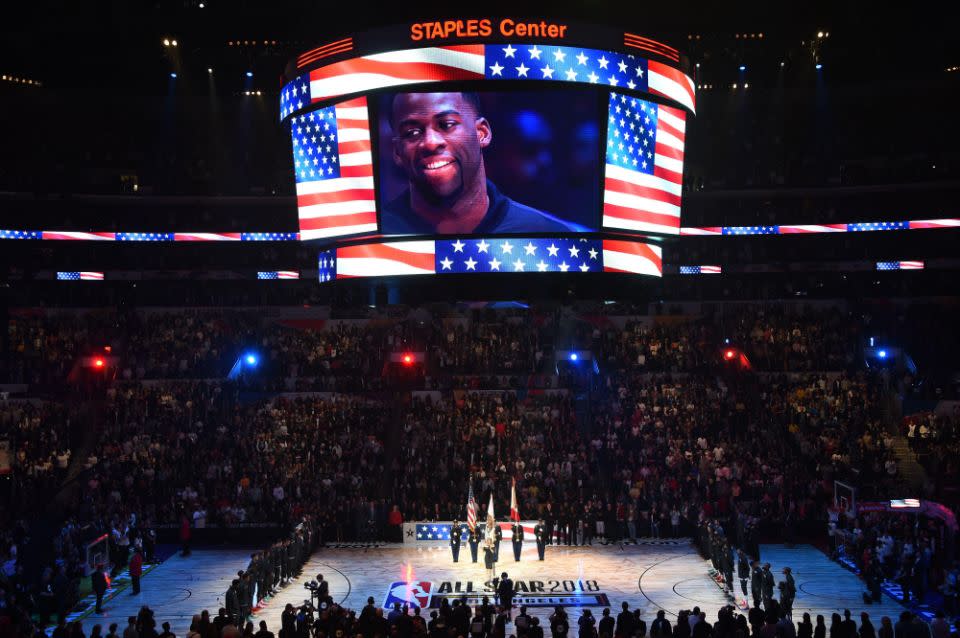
{"x": 532, "y": 593}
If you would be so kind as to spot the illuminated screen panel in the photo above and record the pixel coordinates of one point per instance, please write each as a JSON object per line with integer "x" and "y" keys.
{"x": 454, "y": 163}
{"x": 644, "y": 165}
{"x": 333, "y": 165}
{"x": 523, "y": 61}
{"x": 491, "y": 255}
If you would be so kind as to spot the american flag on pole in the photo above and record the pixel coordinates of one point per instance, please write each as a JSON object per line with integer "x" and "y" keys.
{"x": 334, "y": 171}
{"x": 471, "y": 508}
{"x": 644, "y": 165}
{"x": 514, "y": 509}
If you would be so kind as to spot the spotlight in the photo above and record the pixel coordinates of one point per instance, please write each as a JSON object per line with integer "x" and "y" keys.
{"x": 882, "y": 354}
{"x": 201, "y": 5}
{"x": 173, "y": 75}
{"x": 574, "y": 356}
{"x": 698, "y": 65}
{"x": 249, "y": 74}
{"x": 98, "y": 363}
{"x": 819, "y": 66}
{"x": 729, "y": 354}
{"x": 173, "y": 43}
{"x": 166, "y": 42}
{"x": 819, "y": 34}
{"x": 743, "y": 67}
{"x": 783, "y": 64}
{"x": 251, "y": 360}
{"x": 209, "y": 70}
{"x": 407, "y": 359}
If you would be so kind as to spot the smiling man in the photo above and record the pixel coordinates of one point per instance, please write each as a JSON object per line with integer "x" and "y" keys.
{"x": 438, "y": 142}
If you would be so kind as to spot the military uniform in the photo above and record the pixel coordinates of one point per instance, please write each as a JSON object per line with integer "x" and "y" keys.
{"x": 474, "y": 541}
{"x": 497, "y": 537}
{"x": 455, "y": 541}
{"x": 517, "y": 541}
{"x": 541, "y": 533}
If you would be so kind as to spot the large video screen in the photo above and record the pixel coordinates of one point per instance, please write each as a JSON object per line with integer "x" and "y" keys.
{"x": 456, "y": 163}
{"x": 496, "y": 162}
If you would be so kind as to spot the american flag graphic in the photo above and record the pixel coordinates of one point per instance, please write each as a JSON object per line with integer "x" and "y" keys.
{"x": 511, "y": 255}
{"x": 207, "y": 237}
{"x": 70, "y": 235}
{"x": 20, "y": 234}
{"x": 751, "y": 230}
{"x": 390, "y": 258}
{"x": 327, "y": 265}
{"x": 80, "y": 275}
{"x": 870, "y": 226}
{"x": 471, "y": 508}
{"x": 498, "y": 255}
{"x": 900, "y": 265}
{"x": 334, "y": 171}
{"x": 517, "y": 61}
{"x": 700, "y": 270}
{"x": 145, "y": 236}
{"x": 269, "y": 236}
{"x": 632, "y": 257}
{"x": 278, "y": 274}
{"x": 644, "y": 166}
{"x": 934, "y": 223}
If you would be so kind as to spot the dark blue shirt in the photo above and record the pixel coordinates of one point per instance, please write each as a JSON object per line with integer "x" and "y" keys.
{"x": 504, "y": 215}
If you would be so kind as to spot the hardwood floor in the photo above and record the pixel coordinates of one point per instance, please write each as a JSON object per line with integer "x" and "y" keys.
{"x": 667, "y": 575}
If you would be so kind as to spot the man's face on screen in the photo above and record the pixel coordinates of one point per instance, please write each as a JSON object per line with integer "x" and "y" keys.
{"x": 438, "y": 138}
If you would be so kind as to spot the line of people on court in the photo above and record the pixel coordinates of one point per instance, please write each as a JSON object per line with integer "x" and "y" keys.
{"x": 270, "y": 570}
{"x": 491, "y": 542}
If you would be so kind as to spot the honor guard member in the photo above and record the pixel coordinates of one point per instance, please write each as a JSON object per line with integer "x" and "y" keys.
{"x": 756, "y": 583}
{"x": 473, "y": 539}
{"x": 497, "y": 537}
{"x": 540, "y": 531}
{"x": 743, "y": 572}
{"x": 517, "y": 540}
{"x": 455, "y": 541}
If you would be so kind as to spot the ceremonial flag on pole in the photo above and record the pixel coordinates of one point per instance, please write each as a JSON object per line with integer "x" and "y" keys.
{"x": 491, "y": 520}
{"x": 514, "y": 510}
{"x": 471, "y": 509}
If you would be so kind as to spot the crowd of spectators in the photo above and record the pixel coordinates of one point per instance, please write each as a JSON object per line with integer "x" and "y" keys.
{"x": 668, "y": 439}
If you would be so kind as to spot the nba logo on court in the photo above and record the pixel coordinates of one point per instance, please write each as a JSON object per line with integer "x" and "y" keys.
{"x": 414, "y": 593}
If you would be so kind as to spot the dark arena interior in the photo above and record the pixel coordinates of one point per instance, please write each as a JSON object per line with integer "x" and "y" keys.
{"x": 593, "y": 319}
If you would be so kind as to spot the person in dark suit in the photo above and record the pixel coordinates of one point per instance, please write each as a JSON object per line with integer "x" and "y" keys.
{"x": 517, "y": 540}
{"x": 455, "y": 541}
{"x": 99, "y": 583}
{"x": 605, "y": 628}
{"x": 541, "y": 533}
{"x": 767, "y": 587}
{"x": 506, "y": 592}
{"x": 788, "y": 591}
{"x": 743, "y": 571}
{"x": 473, "y": 539}
{"x": 625, "y": 621}
{"x": 756, "y": 583}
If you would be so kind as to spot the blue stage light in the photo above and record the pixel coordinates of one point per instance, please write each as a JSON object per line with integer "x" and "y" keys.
{"x": 574, "y": 356}
{"x": 819, "y": 66}
{"x": 249, "y": 74}
{"x": 251, "y": 359}
{"x": 743, "y": 67}
{"x": 173, "y": 75}
{"x": 882, "y": 354}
